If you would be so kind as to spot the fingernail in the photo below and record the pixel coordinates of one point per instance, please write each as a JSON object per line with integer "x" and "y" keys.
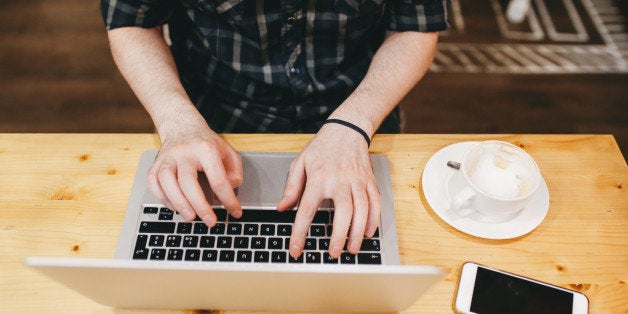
{"x": 295, "y": 250}
{"x": 355, "y": 247}
{"x": 335, "y": 251}
{"x": 236, "y": 214}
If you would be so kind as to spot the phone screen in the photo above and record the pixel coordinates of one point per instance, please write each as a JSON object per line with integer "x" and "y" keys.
{"x": 495, "y": 292}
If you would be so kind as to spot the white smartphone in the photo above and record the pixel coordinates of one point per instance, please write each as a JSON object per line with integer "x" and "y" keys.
{"x": 486, "y": 290}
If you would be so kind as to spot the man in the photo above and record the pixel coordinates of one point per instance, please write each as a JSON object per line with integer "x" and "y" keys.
{"x": 337, "y": 68}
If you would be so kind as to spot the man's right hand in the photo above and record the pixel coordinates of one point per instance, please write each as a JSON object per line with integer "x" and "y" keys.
{"x": 173, "y": 178}
{"x": 188, "y": 144}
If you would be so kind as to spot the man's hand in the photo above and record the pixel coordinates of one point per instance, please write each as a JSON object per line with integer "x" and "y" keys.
{"x": 334, "y": 165}
{"x": 188, "y": 144}
{"x": 173, "y": 179}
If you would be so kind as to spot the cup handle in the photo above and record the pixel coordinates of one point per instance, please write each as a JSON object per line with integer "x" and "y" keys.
{"x": 461, "y": 203}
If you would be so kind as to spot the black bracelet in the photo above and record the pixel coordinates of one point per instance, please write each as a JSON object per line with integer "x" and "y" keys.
{"x": 352, "y": 126}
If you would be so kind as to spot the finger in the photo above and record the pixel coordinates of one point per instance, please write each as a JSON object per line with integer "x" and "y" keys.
{"x": 294, "y": 186}
{"x": 155, "y": 187}
{"x": 342, "y": 219}
{"x": 170, "y": 186}
{"x": 220, "y": 185}
{"x": 193, "y": 192}
{"x": 233, "y": 167}
{"x": 358, "y": 221}
{"x": 375, "y": 205}
{"x": 305, "y": 214}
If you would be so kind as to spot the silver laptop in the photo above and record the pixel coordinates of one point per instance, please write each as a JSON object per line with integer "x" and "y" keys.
{"x": 163, "y": 261}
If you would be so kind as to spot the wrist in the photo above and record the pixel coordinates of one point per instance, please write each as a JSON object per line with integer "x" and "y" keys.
{"x": 352, "y": 126}
{"x": 181, "y": 121}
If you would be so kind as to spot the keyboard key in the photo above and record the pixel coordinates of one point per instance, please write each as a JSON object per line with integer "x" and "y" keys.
{"x": 279, "y": 256}
{"x": 261, "y": 256}
{"x": 295, "y": 260}
{"x": 370, "y": 245}
{"x": 221, "y": 214}
{"x": 184, "y": 227}
{"x": 190, "y": 241}
{"x": 241, "y": 243}
{"x": 258, "y": 243}
{"x": 251, "y": 229}
{"x": 158, "y": 254}
{"x": 175, "y": 254}
{"x": 200, "y": 228}
{"x": 173, "y": 241}
{"x": 313, "y": 257}
{"x": 244, "y": 256}
{"x": 310, "y": 244}
{"x": 234, "y": 229}
{"x": 157, "y": 227}
{"x": 267, "y": 229}
{"x": 140, "y": 253}
{"x": 369, "y": 258}
{"x": 322, "y": 217}
{"x": 224, "y": 242}
{"x": 210, "y": 255}
{"x": 347, "y": 258}
{"x": 264, "y": 215}
{"x": 192, "y": 255}
{"x": 317, "y": 230}
{"x": 275, "y": 243}
{"x": 165, "y": 214}
{"x": 323, "y": 244}
{"x": 156, "y": 240}
{"x": 151, "y": 210}
{"x": 227, "y": 256}
{"x": 327, "y": 259}
{"x": 207, "y": 241}
{"x": 284, "y": 230}
{"x": 219, "y": 228}
{"x": 142, "y": 240}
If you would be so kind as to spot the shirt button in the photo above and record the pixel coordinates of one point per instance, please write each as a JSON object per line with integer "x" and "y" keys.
{"x": 295, "y": 71}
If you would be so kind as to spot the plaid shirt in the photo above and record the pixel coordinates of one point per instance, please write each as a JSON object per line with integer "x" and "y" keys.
{"x": 274, "y": 66}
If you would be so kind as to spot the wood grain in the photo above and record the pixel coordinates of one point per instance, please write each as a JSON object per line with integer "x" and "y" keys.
{"x": 65, "y": 195}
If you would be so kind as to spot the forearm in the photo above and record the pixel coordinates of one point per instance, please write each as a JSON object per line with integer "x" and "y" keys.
{"x": 398, "y": 65}
{"x": 188, "y": 144}
{"x": 145, "y": 61}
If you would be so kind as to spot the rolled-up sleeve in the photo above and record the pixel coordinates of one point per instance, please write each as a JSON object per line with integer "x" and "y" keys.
{"x": 418, "y": 15}
{"x": 141, "y": 13}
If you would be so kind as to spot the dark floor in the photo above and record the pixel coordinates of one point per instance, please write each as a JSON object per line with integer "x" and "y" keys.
{"x": 58, "y": 76}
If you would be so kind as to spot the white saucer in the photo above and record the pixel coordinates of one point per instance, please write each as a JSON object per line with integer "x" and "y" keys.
{"x": 440, "y": 182}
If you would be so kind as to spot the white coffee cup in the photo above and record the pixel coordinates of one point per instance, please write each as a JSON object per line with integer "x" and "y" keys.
{"x": 499, "y": 180}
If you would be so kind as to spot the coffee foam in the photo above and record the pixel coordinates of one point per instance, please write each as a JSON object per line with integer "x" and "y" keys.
{"x": 501, "y": 172}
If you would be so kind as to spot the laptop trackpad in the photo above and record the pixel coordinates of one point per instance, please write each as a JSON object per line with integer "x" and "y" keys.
{"x": 264, "y": 180}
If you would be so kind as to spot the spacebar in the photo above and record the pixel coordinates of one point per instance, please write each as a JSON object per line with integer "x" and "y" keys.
{"x": 263, "y": 215}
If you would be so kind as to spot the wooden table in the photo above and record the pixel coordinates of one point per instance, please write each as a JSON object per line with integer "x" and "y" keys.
{"x": 65, "y": 195}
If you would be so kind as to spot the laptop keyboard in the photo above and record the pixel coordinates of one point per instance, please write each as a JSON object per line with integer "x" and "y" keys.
{"x": 259, "y": 236}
